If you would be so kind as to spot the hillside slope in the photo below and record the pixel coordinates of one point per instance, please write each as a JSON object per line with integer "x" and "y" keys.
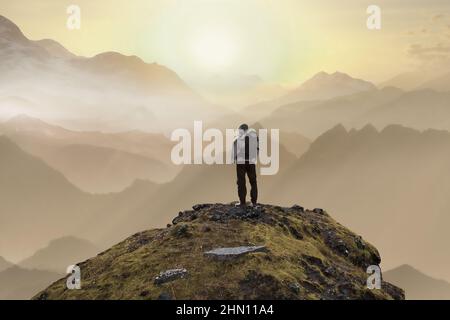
{"x": 53, "y": 205}
{"x": 417, "y": 285}
{"x": 51, "y": 201}
{"x": 303, "y": 255}
{"x": 4, "y": 264}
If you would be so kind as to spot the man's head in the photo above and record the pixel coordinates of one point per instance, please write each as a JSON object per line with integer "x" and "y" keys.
{"x": 243, "y": 127}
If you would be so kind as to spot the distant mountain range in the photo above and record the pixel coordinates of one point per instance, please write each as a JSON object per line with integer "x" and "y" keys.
{"x": 48, "y": 264}
{"x": 417, "y": 285}
{"x": 420, "y": 109}
{"x": 95, "y": 162}
{"x": 322, "y": 86}
{"x": 119, "y": 92}
{"x": 236, "y": 90}
{"x": 52, "y": 204}
{"x": 419, "y": 80}
{"x": 59, "y": 254}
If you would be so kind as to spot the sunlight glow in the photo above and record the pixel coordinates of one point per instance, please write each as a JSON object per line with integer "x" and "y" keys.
{"x": 214, "y": 49}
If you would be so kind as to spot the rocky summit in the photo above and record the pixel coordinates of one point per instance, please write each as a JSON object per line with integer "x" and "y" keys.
{"x": 220, "y": 251}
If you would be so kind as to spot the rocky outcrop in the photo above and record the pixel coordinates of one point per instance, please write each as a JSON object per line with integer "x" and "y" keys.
{"x": 170, "y": 275}
{"x": 219, "y": 251}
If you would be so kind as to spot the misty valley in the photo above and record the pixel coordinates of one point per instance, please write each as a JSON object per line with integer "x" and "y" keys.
{"x": 212, "y": 151}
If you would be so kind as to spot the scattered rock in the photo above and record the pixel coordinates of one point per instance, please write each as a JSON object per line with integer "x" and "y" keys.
{"x": 310, "y": 287}
{"x": 360, "y": 242}
{"x": 229, "y": 253}
{"x": 144, "y": 293}
{"x": 313, "y": 261}
{"x": 285, "y": 223}
{"x": 168, "y": 225}
{"x": 205, "y": 228}
{"x": 42, "y": 296}
{"x": 199, "y": 207}
{"x": 164, "y": 296}
{"x": 393, "y": 291}
{"x": 221, "y": 213}
{"x": 181, "y": 231}
{"x": 318, "y": 211}
{"x": 330, "y": 272}
{"x": 296, "y": 207}
{"x": 260, "y": 286}
{"x": 138, "y": 240}
{"x": 297, "y": 235}
{"x": 295, "y": 287}
{"x": 170, "y": 275}
{"x": 335, "y": 243}
{"x": 342, "y": 248}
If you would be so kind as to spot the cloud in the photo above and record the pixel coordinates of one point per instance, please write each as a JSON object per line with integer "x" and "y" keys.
{"x": 438, "y": 17}
{"x": 431, "y": 46}
{"x": 432, "y": 57}
{"x": 417, "y": 49}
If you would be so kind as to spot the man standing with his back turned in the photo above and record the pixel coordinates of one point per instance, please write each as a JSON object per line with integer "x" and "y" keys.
{"x": 245, "y": 152}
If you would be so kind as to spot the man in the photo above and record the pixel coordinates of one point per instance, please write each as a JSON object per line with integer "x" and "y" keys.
{"x": 245, "y": 152}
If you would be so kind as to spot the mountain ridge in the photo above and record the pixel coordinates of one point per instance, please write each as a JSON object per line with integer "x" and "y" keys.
{"x": 320, "y": 87}
{"x": 5, "y": 264}
{"x": 59, "y": 254}
{"x": 418, "y": 285}
{"x": 121, "y": 92}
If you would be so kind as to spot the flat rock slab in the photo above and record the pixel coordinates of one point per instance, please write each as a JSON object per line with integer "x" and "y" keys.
{"x": 229, "y": 253}
{"x": 170, "y": 275}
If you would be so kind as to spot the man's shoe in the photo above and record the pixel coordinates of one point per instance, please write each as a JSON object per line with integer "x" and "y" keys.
{"x": 240, "y": 204}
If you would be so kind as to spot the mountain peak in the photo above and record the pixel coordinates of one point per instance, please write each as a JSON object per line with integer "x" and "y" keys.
{"x": 324, "y": 77}
{"x": 60, "y": 253}
{"x": 24, "y": 118}
{"x": 112, "y": 56}
{"x": 418, "y": 285}
{"x": 368, "y": 129}
{"x": 10, "y": 31}
{"x": 23, "y": 122}
{"x": 269, "y": 252}
{"x": 323, "y": 86}
{"x": 335, "y": 75}
{"x": 337, "y": 131}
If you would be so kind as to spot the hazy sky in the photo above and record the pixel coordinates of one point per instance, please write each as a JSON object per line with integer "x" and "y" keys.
{"x": 282, "y": 41}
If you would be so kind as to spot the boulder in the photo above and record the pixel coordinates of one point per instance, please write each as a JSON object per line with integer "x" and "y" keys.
{"x": 229, "y": 253}
{"x": 318, "y": 211}
{"x": 296, "y": 207}
{"x": 170, "y": 275}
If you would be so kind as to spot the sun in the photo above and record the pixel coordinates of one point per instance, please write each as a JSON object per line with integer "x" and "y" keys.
{"x": 214, "y": 49}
